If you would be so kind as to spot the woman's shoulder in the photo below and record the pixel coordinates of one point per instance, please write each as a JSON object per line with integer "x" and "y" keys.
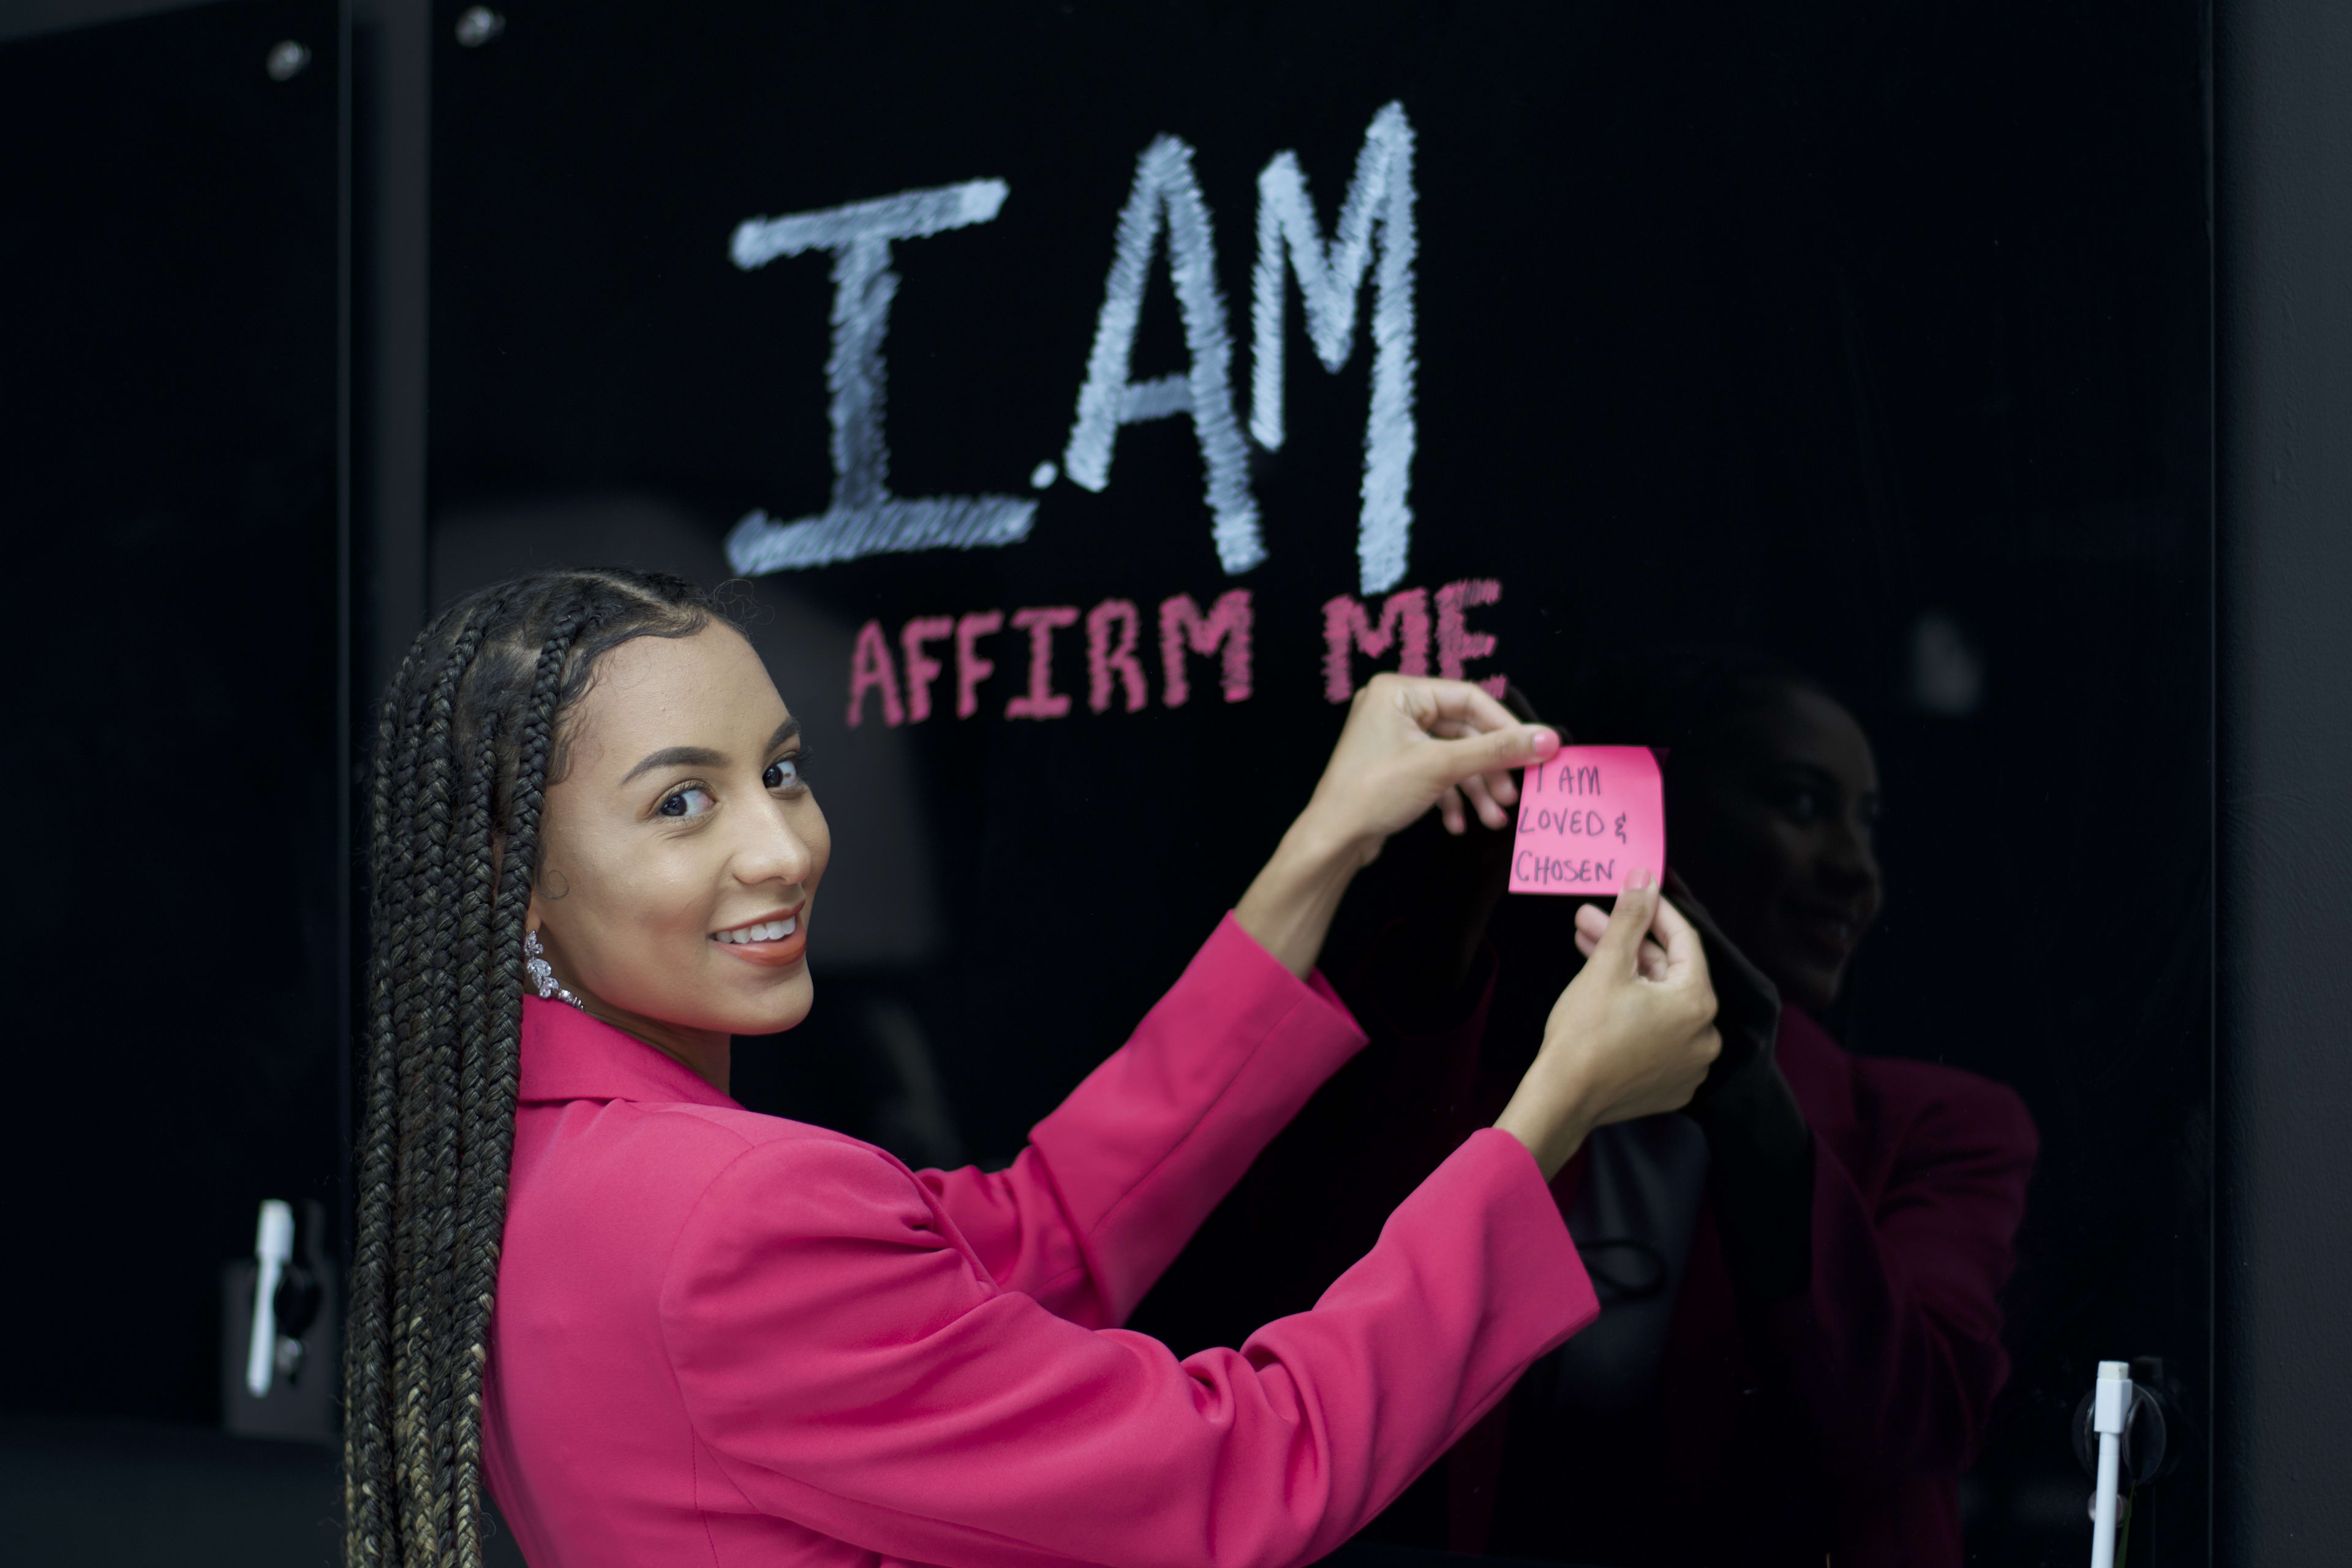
{"x": 1917, "y": 1103}
{"x": 662, "y": 1161}
{"x": 675, "y": 1143}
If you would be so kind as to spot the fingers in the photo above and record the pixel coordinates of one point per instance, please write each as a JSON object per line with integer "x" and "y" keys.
{"x": 1491, "y": 755}
{"x": 1430, "y": 702}
{"x": 1686, "y": 954}
{"x": 1637, "y": 906}
{"x": 1654, "y": 958}
{"x": 1480, "y": 790}
{"x": 1498, "y": 784}
{"x": 1591, "y": 920}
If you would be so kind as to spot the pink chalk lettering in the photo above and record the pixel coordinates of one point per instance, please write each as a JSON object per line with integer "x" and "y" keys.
{"x": 971, "y": 669}
{"x": 1040, "y": 700}
{"x": 1348, "y": 630}
{"x": 870, "y": 670}
{"x": 1182, "y": 624}
{"x": 1457, "y": 645}
{"x": 921, "y": 668}
{"x": 1103, "y": 655}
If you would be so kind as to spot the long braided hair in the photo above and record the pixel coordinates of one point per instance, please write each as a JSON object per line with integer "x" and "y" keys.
{"x": 471, "y": 734}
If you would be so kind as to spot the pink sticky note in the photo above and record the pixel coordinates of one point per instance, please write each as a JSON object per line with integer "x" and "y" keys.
{"x": 1588, "y": 817}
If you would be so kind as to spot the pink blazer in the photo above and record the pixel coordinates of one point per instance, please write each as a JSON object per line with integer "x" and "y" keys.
{"x": 730, "y": 1339}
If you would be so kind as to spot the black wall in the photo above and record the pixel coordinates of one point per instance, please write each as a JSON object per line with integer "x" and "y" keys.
{"x": 170, "y": 428}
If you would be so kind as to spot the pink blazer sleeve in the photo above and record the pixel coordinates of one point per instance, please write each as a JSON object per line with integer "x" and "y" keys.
{"x": 1117, "y": 1180}
{"x": 849, "y": 1363}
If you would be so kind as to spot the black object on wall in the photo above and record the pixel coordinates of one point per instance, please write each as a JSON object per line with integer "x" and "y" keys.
{"x": 1876, "y": 341}
{"x": 169, "y": 241}
{"x": 2283, "y": 133}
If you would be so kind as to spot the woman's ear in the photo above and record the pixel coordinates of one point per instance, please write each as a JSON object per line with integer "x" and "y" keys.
{"x": 533, "y": 912}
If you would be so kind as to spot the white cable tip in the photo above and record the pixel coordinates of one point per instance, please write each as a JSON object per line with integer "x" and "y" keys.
{"x": 273, "y": 1248}
{"x": 2111, "y": 1398}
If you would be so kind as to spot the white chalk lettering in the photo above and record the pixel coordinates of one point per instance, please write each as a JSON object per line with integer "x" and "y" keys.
{"x": 865, "y": 518}
{"x": 1330, "y": 277}
{"x": 1167, "y": 195}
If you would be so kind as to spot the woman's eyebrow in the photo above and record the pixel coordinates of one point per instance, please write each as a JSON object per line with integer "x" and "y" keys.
{"x": 703, "y": 756}
{"x": 1791, "y": 769}
{"x": 677, "y": 757}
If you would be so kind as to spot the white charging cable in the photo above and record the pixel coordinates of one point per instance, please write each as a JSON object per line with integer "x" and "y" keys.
{"x": 273, "y": 1248}
{"x": 2110, "y": 1403}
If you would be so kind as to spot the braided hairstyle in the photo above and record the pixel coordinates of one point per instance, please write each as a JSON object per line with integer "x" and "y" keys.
{"x": 471, "y": 734}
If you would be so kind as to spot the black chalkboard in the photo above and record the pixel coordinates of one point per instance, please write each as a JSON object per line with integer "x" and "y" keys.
{"x": 1873, "y": 340}
{"x": 169, "y": 386}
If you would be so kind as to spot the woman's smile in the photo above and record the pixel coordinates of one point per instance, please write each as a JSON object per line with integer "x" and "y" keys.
{"x": 774, "y": 941}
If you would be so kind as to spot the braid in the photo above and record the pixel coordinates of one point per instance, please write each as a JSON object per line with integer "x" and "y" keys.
{"x": 364, "y": 1455}
{"x": 493, "y": 1060}
{"x": 426, "y": 1150}
{"x": 470, "y": 733}
{"x": 430, "y": 1159}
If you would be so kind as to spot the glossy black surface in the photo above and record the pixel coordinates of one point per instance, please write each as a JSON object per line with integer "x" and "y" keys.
{"x": 1874, "y": 341}
{"x": 168, "y": 448}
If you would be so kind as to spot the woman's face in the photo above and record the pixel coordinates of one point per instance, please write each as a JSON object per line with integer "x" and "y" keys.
{"x": 1775, "y": 838}
{"x": 681, "y": 849}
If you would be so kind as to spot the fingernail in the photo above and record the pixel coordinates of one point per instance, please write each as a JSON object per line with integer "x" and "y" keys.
{"x": 1638, "y": 879}
{"x": 1545, "y": 742}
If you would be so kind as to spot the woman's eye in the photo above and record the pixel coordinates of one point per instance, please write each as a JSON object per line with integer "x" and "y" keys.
{"x": 784, "y": 773}
{"x": 691, "y": 801}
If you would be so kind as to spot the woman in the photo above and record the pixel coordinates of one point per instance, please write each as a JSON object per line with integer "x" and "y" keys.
{"x": 723, "y": 1337}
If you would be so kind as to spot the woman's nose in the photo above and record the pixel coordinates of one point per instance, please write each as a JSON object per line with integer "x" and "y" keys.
{"x": 1851, "y": 859}
{"x": 772, "y": 850}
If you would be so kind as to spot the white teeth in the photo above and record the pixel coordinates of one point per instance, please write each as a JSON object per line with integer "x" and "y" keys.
{"x": 766, "y": 930}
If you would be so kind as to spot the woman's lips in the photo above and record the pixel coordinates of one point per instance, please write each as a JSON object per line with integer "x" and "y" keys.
{"x": 768, "y": 950}
{"x": 1833, "y": 930}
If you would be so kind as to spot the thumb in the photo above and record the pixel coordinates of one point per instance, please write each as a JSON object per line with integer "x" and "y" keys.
{"x": 1513, "y": 746}
{"x": 1620, "y": 952}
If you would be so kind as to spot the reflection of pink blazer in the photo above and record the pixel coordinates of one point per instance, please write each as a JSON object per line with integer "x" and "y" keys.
{"x": 1849, "y": 1410}
{"x": 724, "y": 1338}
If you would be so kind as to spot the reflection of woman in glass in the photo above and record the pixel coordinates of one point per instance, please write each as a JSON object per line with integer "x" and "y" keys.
{"x": 728, "y": 1337}
{"x": 1800, "y": 1339}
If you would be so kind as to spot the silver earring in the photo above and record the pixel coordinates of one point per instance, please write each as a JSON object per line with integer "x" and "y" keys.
{"x": 542, "y": 974}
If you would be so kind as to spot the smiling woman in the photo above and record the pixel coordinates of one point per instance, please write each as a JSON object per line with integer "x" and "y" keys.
{"x": 732, "y": 1336}
{"x": 680, "y": 875}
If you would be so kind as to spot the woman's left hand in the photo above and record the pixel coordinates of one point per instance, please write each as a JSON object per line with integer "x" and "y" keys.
{"x": 1410, "y": 743}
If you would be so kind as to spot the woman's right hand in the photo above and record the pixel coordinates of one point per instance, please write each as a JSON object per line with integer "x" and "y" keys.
{"x": 1626, "y": 1039}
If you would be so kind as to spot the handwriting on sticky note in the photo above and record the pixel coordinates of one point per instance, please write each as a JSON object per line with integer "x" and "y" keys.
{"x": 1587, "y": 818}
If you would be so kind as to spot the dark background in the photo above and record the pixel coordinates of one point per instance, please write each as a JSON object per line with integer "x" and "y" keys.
{"x": 1829, "y": 333}
{"x": 170, "y": 383}
{"x": 2282, "y": 163}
